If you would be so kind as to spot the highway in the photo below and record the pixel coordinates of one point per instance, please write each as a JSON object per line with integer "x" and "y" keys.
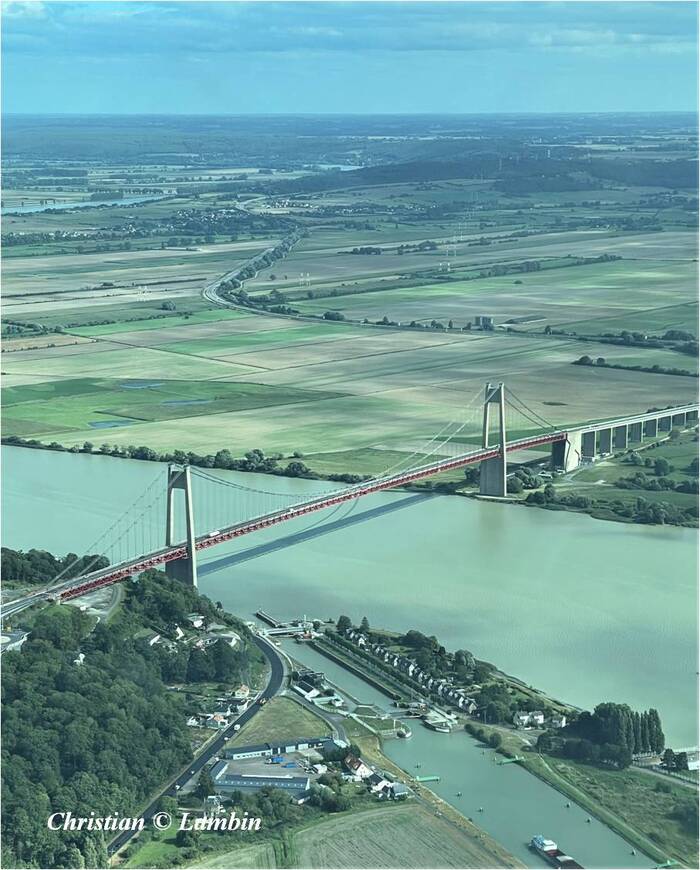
{"x": 277, "y": 674}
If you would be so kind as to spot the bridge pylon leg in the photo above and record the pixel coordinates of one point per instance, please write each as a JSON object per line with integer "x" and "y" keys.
{"x": 493, "y": 471}
{"x": 184, "y": 570}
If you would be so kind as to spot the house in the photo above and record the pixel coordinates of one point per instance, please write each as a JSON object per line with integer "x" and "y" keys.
{"x": 398, "y": 791}
{"x": 525, "y": 719}
{"x": 357, "y": 766}
{"x": 217, "y": 721}
{"x": 212, "y": 805}
{"x": 196, "y": 620}
{"x": 377, "y": 783}
{"x": 80, "y": 659}
{"x": 558, "y": 721}
{"x": 319, "y": 768}
{"x": 242, "y": 692}
{"x": 193, "y": 721}
{"x": 179, "y": 633}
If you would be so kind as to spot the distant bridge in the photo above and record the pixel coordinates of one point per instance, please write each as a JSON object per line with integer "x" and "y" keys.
{"x": 569, "y": 448}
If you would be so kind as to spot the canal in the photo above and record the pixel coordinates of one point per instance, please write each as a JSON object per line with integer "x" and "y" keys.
{"x": 586, "y": 610}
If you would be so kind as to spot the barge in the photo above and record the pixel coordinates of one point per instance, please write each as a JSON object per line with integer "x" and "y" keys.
{"x": 551, "y": 853}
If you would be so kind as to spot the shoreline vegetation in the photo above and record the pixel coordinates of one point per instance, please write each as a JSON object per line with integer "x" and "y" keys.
{"x": 547, "y": 496}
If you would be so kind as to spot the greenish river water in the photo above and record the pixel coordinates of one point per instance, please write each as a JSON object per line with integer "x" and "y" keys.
{"x": 586, "y": 610}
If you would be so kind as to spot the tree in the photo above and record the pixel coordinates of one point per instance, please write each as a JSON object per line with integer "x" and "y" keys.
{"x": 472, "y": 474}
{"x": 514, "y": 485}
{"x": 600, "y": 361}
{"x": 168, "y": 306}
{"x": 495, "y": 740}
{"x": 584, "y": 360}
{"x": 187, "y": 839}
{"x": 344, "y": 624}
{"x": 205, "y": 784}
{"x": 662, "y": 467}
{"x": 550, "y": 493}
{"x": 199, "y": 667}
{"x": 364, "y": 625}
{"x": 682, "y": 761}
{"x": 674, "y": 435}
{"x": 668, "y": 759}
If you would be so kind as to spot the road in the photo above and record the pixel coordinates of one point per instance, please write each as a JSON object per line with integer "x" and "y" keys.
{"x": 277, "y": 673}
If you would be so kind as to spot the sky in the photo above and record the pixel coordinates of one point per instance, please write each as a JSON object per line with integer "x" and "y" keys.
{"x": 348, "y": 57}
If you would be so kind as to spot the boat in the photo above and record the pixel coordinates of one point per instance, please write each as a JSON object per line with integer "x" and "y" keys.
{"x": 437, "y": 723}
{"x": 549, "y": 850}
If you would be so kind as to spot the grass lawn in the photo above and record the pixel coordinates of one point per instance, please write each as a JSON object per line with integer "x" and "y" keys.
{"x": 280, "y": 719}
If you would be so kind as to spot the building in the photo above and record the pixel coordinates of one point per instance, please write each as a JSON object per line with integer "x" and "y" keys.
{"x": 483, "y": 322}
{"x": 529, "y": 719}
{"x": 226, "y": 781}
{"x": 358, "y": 767}
{"x": 212, "y": 804}
{"x": 196, "y": 620}
{"x": 398, "y": 791}
{"x": 266, "y": 750}
{"x": 558, "y": 721}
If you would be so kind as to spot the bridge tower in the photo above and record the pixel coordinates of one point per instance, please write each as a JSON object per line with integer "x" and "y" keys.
{"x": 185, "y": 569}
{"x": 493, "y": 471}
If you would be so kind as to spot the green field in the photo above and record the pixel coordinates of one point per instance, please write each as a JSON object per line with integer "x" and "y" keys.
{"x": 592, "y": 298}
{"x": 160, "y": 322}
{"x": 103, "y": 404}
{"x": 280, "y": 719}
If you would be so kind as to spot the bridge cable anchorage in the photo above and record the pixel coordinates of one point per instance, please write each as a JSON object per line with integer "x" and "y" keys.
{"x": 97, "y": 543}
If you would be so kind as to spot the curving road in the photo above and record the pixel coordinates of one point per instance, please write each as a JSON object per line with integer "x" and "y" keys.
{"x": 277, "y": 674}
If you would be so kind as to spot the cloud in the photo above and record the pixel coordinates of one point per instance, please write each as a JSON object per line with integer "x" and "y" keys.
{"x": 23, "y": 9}
{"x": 131, "y": 29}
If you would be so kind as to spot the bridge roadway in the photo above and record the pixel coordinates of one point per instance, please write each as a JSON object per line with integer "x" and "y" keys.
{"x": 115, "y": 573}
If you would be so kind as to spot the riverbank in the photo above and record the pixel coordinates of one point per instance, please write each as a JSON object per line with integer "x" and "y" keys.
{"x": 625, "y": 801}
{"x": 658, "y": 512}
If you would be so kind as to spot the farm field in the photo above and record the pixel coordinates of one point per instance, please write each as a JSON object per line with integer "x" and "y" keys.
{"x": 403, "y": 836}
{"x": 403, "y": 385}
{"x": 23, "y": 275}
{"x": 579, "y": 298}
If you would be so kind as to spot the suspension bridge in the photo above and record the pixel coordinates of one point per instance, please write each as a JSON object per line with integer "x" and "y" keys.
{"x": 134, "y": 543}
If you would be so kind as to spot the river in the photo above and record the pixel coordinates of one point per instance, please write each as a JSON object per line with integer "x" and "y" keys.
{"x": 83, "y": 203}
{"x": 584, "y": 609}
